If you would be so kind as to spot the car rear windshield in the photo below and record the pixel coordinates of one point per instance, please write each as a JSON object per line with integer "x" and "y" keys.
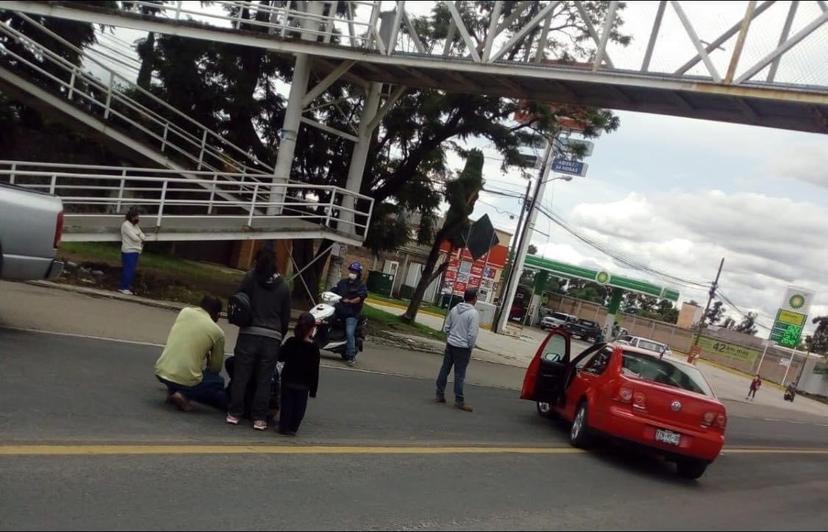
{"x": 651, "y": 346}
{"x": 559, "y": 316}
{"x": 665, "y": 371}
{"x": 587, "y": 323}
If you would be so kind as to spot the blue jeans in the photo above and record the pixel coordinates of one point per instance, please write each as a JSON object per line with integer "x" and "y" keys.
{"x": 130, "y": 266}
{"x": 350, "y": 332}
{"x": 459, "y": 358}
{"x": 210, "y": 391}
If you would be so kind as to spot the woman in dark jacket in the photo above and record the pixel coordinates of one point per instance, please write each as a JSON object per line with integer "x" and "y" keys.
{"x": 257, "y": 349}
{"x": 300, "y": 375}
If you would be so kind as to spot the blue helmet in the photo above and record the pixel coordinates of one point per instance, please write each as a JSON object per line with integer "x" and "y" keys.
{"x": 355, "y": 267}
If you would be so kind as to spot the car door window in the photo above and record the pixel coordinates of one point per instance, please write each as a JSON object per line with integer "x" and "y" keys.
{"x": 555, "y": 350}
{"x": 599, "y": 362}
{"x": 586, "y": 355}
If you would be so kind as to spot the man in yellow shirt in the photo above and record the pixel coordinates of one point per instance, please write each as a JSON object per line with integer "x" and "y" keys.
{"x": 194, "y": 338}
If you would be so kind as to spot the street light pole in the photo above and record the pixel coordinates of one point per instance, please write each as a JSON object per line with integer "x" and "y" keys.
{"x": 525, "y": 237}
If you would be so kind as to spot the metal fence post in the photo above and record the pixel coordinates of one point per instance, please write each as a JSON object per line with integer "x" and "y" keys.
{"x": 109, "y": 94}
{"x": 164, "y": 141}
{"x": 11, "y": 177}
{"x": 121, "y": 191}
{"x": 72, "y": 84}
{"x": 203, "y": 145}
{"x": 161, "y": 205}
{"x": 330, "y": 209}
{"x": 52, "y": 186}
{"x": 178, "y": 10}
{"x": 212, "y": 195}
{"x": 253, "y": 205}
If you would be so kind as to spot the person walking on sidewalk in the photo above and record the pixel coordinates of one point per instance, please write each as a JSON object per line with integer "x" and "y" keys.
{"x": 462, "y": 326}
{"x": 755, "y": 384}
{"x": 132, "y": 243}
{"x": 300, "y": 375}
{"x": 257, "y": 348}
{"x": 194, "y": 338}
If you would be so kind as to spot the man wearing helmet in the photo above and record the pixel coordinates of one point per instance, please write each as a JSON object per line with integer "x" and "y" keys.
{"x": 353, "y": 292}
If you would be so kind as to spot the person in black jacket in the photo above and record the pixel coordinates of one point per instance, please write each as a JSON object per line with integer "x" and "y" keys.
{"x": 354, "y": 293}
{"x": 300, "y": 374}
{"x": 257, "y": 348}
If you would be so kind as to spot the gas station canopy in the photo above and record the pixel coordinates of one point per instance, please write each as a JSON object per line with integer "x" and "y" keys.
{"x": 601, "y": 277}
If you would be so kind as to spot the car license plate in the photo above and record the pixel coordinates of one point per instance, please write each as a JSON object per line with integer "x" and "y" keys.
{"x": 668, "y": 436}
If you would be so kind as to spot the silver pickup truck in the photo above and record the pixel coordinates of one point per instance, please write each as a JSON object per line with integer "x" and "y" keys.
{"x": 31, "y": 225}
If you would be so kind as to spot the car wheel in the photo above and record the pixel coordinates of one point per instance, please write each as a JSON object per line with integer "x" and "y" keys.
{"x": 579, "y": 432}
{"x": 691, "y": 469}
{"x": 544, "y": 409}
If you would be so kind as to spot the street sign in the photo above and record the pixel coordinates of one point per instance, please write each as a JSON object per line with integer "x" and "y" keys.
{"x": 568, "y": 166}
{"x": 787, "y": 328}
{"x": 573, "y": 145}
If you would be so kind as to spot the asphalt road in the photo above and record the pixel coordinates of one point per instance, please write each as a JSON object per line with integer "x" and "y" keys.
{"x": 374, "y": 452}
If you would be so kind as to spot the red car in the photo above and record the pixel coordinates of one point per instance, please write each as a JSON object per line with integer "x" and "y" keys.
{"x": 630, "y": 394}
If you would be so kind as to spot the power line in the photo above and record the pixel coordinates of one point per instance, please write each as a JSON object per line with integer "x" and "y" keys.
{"x": 615, "y": 255}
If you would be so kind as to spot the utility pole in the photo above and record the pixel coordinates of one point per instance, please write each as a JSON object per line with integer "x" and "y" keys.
{"x": 710, "y": 297}
{"x": 512, "y": 249}
{"x": 525, "y": 238}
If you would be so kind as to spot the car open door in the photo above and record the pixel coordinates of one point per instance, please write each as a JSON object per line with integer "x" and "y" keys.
{"x": 546, "y": 374}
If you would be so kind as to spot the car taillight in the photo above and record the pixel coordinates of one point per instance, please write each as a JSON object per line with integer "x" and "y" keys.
{"x": 639, "y": 400}
{"x": 625, "y": 394}
{"x": 710, "y": 418}
{"x": 58, "y": 229}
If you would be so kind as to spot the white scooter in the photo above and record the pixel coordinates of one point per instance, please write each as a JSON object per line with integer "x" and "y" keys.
{"x": 330, "y": 329}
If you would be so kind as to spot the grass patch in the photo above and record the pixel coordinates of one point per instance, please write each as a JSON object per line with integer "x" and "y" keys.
{"x": 394, "y": 301}
{"x": 379, "y": 320}
{"x": 159, "y": 276}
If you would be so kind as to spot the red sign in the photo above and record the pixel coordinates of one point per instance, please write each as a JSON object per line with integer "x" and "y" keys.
{"x": 459, "y": 288}
{"x": 477, "y": 270}
{"x": 474, "y": 282}
{"x": 451, "y": 275}
{"x": 454, "y": 264}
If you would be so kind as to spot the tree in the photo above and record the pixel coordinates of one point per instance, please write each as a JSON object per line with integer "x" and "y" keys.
{"x": 714, "y": 314}
{"x": 819, "y": 339}
{"x": 533, "y": 249}
{"x": 461, "y": 195}
{"x": 748, "y": 324}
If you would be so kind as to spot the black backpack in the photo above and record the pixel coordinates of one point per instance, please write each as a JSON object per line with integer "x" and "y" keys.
{"x": 239, "y": 310}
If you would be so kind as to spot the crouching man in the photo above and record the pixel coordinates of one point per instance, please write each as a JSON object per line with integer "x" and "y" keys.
{"x": 194, "y": 339}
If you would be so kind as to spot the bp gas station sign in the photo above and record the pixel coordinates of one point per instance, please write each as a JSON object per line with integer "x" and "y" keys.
{"x": 791, "y": 317}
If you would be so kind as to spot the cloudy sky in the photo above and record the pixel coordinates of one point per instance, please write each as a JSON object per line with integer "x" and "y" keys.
{"x": 680, "y": 194}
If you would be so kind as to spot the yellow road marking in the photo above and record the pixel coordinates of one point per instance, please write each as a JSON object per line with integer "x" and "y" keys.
{"x": 154, "y": 449}
{"x": 225, "y": 449}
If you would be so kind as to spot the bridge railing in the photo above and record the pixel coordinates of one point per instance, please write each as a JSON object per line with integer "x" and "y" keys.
{"x": 109, "y": 192}
{"x": 178, "y": 134}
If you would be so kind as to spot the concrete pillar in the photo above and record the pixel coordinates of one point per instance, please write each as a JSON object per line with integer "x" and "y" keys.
{"x": 293, "y": 113}
{"x": 335, "y": 265}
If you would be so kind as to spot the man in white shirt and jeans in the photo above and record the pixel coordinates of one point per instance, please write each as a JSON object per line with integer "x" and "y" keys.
{"x": 462, "y": 327}
{"x": 132, "y": 243}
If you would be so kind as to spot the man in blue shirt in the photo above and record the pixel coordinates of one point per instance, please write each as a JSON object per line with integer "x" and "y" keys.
{"x": 354, "y": 293}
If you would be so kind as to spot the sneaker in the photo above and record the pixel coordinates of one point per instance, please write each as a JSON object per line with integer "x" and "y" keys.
{"x": 441, "y": 398}
{"x": 179, "y": 401}
{"x": 125, "y": 292}
{"x": 351, "y": 362}
{"x": 260, "y": 425}
{"x": 464, "y": 407}
{"x": 232, "y": 420}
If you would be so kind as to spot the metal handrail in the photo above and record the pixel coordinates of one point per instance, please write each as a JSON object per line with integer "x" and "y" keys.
{"x": 155, "y": 99}
{"x": 169, "y": 130}
{"x": 108, "y": 194}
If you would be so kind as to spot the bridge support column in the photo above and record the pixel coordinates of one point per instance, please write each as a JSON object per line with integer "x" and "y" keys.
{"x": 359, "y": 156}
{"x": 293, "y": 113}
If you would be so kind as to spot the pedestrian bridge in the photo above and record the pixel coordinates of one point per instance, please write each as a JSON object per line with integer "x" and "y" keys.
{"x": 765, "y": 66}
